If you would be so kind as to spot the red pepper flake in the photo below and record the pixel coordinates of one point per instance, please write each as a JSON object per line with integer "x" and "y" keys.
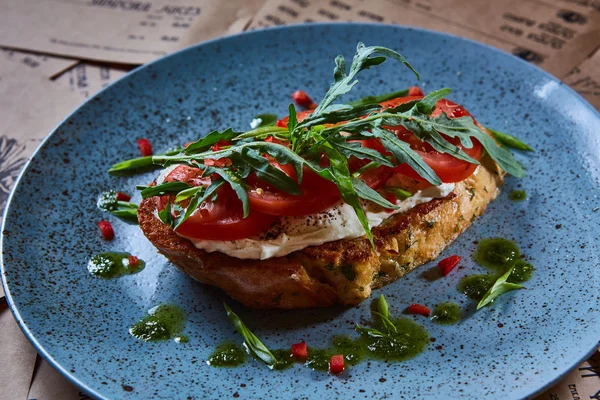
{"x": 301, "y": 98}
{"x": 281, "y": 123}
{"x": 415, "y": 91}
{"x": 220, "y": 144}
{"x": 145, "y": 147}
{"x": 448, "y": 264}
{"x": 336, "y": 364}
{"x": 123, "y": 196}
{"x": 107, "y": 230}
{"x": 419, "y": 309}
{"x": 133, "y": 261}
{"x": 300, "y": 351}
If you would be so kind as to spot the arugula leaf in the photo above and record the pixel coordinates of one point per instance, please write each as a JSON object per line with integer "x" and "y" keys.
{"x": 262, "y": 133}
{"x": 187, "y": 193}
{"x": 343, "y": 82}
{"x": 138, "y": 163}
{"x": 126, "y": 210}
{"x": 378, "y": 99}
{"x": 237, "y": 184}
{"x": 427, "y": 104}
{"x": 198, "y": 198}
{"x": 384, "y": 314}
{"x": 404, "y": 154}
{"x": 162, "y": 189}
{"x": 357, "y": 150}
{"x": 501, "y": 286}
{"x": 365, "y": 192}
{"x": 340, "y": 175}
{"x": 207, "y": 141}
{"x": 398, "y": 193}
{"x": 263, "y": 120}
{"x": 270, "y": 174}
{"x": 509, "y": 140}
{"x": 388, "y": 327}
{"x": 252, "y": 343}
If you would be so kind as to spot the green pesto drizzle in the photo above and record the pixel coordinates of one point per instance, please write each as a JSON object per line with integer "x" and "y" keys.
{"x": 163, "y": 322}
{"x": 227, "y": 355}
{"x": 476, "y": 285}
{"x": 497, "y": 254}
{"x": 446, "y": 313}
{"x": 408, "y": 340}
{"x": 113, "y": 265}
{"x": 517, "y": 195}
{"x": 522, "y": 272}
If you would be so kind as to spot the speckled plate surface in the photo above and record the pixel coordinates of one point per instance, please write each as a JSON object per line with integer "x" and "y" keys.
{"x": 527, "y": 340}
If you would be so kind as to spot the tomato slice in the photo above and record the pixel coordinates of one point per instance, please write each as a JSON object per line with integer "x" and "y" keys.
{"x": 221, "y": 219}
{"x": 317, "y": 194}
{"x": 447, "y": 168}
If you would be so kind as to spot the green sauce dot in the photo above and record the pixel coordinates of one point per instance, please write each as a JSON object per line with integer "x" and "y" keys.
{"x": 285, "y": 359}
{"x": 522, "y": 272}
{"x": 475, "y": 286}
{"x": 227, "y": 355}
{"x": 318, "y": 359}
{"x": 162, "y": 323}
{"x": 497, "y": 254}
{"x": 113, "y": 265}
{"x": 517, "y": 195}
{"x": 446, "y": 313}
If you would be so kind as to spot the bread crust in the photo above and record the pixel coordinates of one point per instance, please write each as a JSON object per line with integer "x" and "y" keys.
{"x": 340, "y": 272}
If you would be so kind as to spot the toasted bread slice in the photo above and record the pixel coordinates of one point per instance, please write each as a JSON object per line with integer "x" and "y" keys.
{"x": 339, "y": 272}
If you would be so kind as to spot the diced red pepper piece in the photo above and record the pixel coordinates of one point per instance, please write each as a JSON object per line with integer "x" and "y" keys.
{"x": 107, "y": 230}
{"x": 312, "y": 106}
{"x": 133, "y": 261}
{"x": 300, "y": 351}
{"x": 123, "y": 196}
{"x": 419, "y": 309}
{"x": 448, "y": 264}
{"x": 145, "y": 147}
{"x": 336, "y": 364}
{"x": 301, "y": 98}
{"x": 280, "y": 123}
{"x": 392, "y": 199}
{"x": 415, "y": 91}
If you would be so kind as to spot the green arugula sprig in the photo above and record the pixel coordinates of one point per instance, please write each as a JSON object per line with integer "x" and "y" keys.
{"x": 501, "y": 286}
{"x": 317, "y": 135}
{"x": 387, "y": 329}
{"x": 251, "y": 341}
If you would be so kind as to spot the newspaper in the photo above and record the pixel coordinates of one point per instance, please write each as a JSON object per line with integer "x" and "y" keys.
{"x": 557, "y": 35}
{"x": 124, "y": 31}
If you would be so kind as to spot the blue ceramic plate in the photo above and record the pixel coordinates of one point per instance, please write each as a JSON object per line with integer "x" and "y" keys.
{"x": 79, "y": 323}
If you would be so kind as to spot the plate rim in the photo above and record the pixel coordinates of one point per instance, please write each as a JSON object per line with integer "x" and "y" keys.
{"x": 41, "y": 351}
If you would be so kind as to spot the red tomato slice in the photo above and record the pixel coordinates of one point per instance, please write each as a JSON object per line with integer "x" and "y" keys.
{"x": 447, "y": 168}
{"x": 317, "y": 194}
{"x": 219, "y": 220}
